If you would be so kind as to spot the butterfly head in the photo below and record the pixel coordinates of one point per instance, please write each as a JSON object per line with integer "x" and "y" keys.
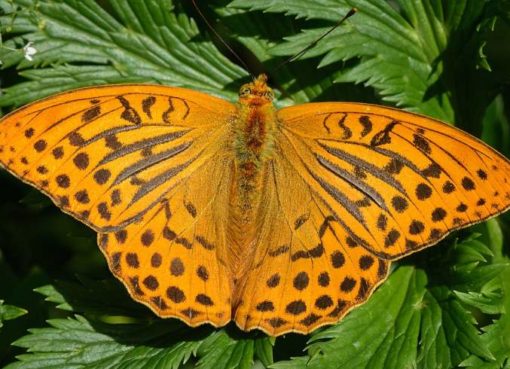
{"x": 256, "y": 92}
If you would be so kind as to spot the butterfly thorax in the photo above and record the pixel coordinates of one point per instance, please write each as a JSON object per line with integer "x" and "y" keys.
{"x": 254, "y": 134}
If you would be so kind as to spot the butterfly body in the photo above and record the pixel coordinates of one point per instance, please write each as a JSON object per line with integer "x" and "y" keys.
{"x": 280, "y": 220}
{"x": 255, "y": 128}
{"x": 254, "y": 131}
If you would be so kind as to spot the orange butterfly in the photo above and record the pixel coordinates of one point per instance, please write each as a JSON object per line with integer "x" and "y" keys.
{"x": 281, "y": 220}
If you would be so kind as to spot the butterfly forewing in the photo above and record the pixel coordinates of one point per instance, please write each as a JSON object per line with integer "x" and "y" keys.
{"x": 174, "y": 258}
{"x": 107, "y": 154}
{"x": 395, "y": 181}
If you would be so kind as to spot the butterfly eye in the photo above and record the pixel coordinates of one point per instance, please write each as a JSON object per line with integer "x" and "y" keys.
{"x": 269, "y": 95}
{"x": 245, "y": 91}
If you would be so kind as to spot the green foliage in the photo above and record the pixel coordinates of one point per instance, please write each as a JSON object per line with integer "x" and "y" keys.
{"x": 436, "y": 44}
{"x": 9, "y": 312}
{"x": 80, "y": 44}
{"x": 445, "y": 307}
{"x": 115, "y": 332}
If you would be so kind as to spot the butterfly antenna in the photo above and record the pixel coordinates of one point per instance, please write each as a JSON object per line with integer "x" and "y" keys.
{"x": 223, "y": 42}
{"x": 308, "y": 47}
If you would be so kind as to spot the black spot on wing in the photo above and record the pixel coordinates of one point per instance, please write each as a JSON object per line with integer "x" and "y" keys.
{"x": 468, "y": 184}
{"x": 399, "y": 203}
{"x": 129, "y": 114}
{"x": 367, "y": 125}
{"x": 205, "y": 243}
{"x": 394, "y": 166}
{"x": 75, "y": 139}
{"x": 279, "y": 251}
{"x": 265, "y": 305}
{"x": 391, "y": 238}
{"x": 112, "y": 142}
{"x": 192, "y": 210}
{"x": 301, "y": 281}
{"x": 433, "y": 170}
{"x": 147, "y": 104}
{"x": 423, "y": 191}
{"x": 40, "y": 145}
{"x": 168, "y": 111}
{"x": 300, "y": 221}
{"x": 383, "y": 137}
{"x": 91, "y": 114}
{"x": 296, "y": 307}
{"x": 347, "y": 133}
{"x": 421, "y": 144}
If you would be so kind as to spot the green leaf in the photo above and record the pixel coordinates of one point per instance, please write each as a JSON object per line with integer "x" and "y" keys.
{"x": 221, "y": 351}
{"x": 496, "y": 336}
{"x": 474, "y": 266}
{"x": 92, "y": 297}
{"x": 154, "y": 41}
{"x": 78, "y": 343}
{"x": 10, "y": 312}
{"x": 488, "y": 302}
{"x": 495, "y": 235}
{"x": 496, "y": 128}
{"x": 256, "y": 31}
{"x": 383, "y": 40}
{"x": 264, "y": 350}
{"x": 301, "y": 9}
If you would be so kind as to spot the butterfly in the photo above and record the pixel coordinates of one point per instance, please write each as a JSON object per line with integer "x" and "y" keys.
{"x": 281, "y": 220}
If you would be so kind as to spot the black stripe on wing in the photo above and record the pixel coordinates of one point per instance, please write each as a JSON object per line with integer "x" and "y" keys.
{"x": 148, "y": 162}
{"x": 361, "y": 186}
{"x": 365, "y": 165}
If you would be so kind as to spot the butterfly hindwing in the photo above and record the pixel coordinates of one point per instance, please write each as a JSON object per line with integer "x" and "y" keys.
{"x": 174, "y": 258}
{"x": 307, "y": 271}
{"x": 396, "y": 181}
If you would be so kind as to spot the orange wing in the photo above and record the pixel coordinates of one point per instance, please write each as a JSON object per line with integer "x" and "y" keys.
{"x": 141, "y": 165}
{"x": 396, "y": 181}
{"x": 306, "y": 271}
{"x": 351, "y": 187}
